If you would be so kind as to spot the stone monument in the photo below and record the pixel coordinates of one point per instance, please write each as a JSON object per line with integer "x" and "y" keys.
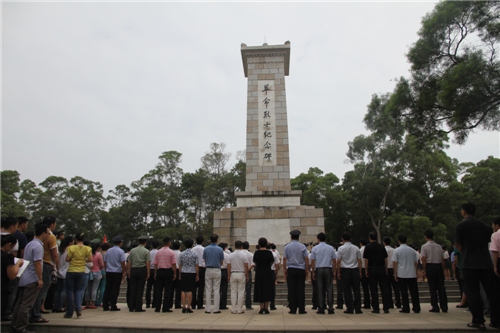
{"x": 268, "y": 207}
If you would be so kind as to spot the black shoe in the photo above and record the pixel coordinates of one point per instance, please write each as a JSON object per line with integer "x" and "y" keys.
{"x": 141, "y": 310}
{"x": 320, "y": 312}
{"x": 366, "y": 307}
{"x": 404, "y": 311}
{"x": 157, "y": 310}
{"x": 331, "y": 311}
{"x": 115, "y": 309}
{"x": 273, "y": 308}
{"x": 434, "y": 310}
{"x": 103, "y": 309}
{"x": 131, "y": 310}
{"x": 266, "y": 311}
{"x": 398, "y": 306}
{"x": 200, "y": 308}
{"x": 302, "y": 312}
{"x": 314, "y": 308}
{"x": 148, "y": 306}
{"x": 216, "y": 312}
{"x": 359, "y": 311}
{"x": 417, "y": 311}
{"x": 339, "y": 307}
{"x": 167, "y": 311}
{"x": 386, "y": 311}
{"x": 292, "y": 312}
{"x": 57, "y": 311}
{"x": 189, "y": 311}
{"x": 375, "y": 311}
{"x": 445, "y": 311}
{"x": 183, "y": 310}
{"x": 225, "y": 308}
{"x": 348, "y": 311}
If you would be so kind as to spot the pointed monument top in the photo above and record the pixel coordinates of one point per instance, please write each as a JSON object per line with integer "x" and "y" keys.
{"x": 265, "y": 50}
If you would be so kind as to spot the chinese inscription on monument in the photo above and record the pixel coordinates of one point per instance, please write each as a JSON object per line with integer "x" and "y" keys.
{"x": 267, "y": 123}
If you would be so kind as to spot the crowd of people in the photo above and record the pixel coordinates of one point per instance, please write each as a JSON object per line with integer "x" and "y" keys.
{"x": 62, "y": 273}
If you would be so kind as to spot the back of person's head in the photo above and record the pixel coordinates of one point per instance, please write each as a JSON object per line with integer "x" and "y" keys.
{"x": 80, "y": 237}
{"x": 155, "y": 244}
{"x": 9, "y": 239}
{"x": 142, "y": 241}
{"x": 8, "y": 222}
{"x": 262, "y": 242}
{"x": 268, "y": 246}
{"x": 222, "y": 245}
{"x": 40, "y": 229}
{"x": 387, "y": 240}
{"x": 214, "y": 238}
{"x": 86, "y": 242}
{"x": 238, "y": 244}
{"x": 273, "y": 246}
{"x": 469, "y": 208}
{"x": 29, "y": 236}
{"x": 429, "y": 234}
{"x": 257, "y": 247}
{"x": 443, "y": 247}
{"x": 105, "y": 246}
{"x": 363, "y": 241}
{"x": 177, "y": 245}
{"x": 337, "y": 245}
{"x": 496, "y": 221}
{"x": 94, "y": 247}
{"x": 295, "y": 236}
{"x": 346, "y": 236}
{"x": 372, "y": 235}
{"x": 322, "y": 237}
{"x": 166, "y": 241}
{"x": 65, "y": 243}
{"x": 22, "y": 220}
{"x": 199, "y": 240}
{"x": 188, "y": 243}
{"x": 49, "y": 220}
{"x": 246, "y": 245}
{"x": 402, "y": 239}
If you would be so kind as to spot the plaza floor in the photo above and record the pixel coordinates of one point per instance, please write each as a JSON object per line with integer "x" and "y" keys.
{"x": 93, "y": 321}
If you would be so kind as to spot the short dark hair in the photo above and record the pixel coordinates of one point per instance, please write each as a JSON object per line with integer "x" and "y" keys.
{"x": 268, "y": 246}
{"x": 387, "y": 240}
{"x": 80, "y": 236}
{"x": 496, "y": 220}
{"x": 363, "y": 241}
{"x": 199, "y": 240}
{"x": 142, "y": 241}
{"x": 40, "y": 229}
{"x": 238, "y": 244}
{"x": 295, "y": 236}
{"x": 177, "y": 245}
{"x": 9, "y": 222}
{"x": 166, "y": 240}
{"x": 321, "y": 236}
{"x": 222, "y": 245}
{"x": 8, "y": 239}
{"x": 214, "y": 238}
{"x": 49, "y": 220}
{"x": 155, "y": 244}
{"x": 246, "y": 245}
{"x": 22, "y": 220}
{"x": 29, "y": 235}
{"x": 346, "y": 236}
{"x": 262, "y": 242}
{"x": 372, "y": 235}
{"x": 188, "y": 243}
{"x": 273, "y": 246}
{"x": 469, "y": 208}
{"x": 105, "y": 246}
{"x": 402, "y": 239}
{"x": 429, "y": 234}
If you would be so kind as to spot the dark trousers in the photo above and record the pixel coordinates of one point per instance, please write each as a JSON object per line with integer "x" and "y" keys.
{"x": 404, "y": 285}
{"x": 149, "y": 286}
{"x": 297, "y": 289}
{"x": 273, "y": 292}
{"x": 393, "y": 285}
{"x": 223, "y": 289}
{"x": 176, "y": 291}
{"x": 324, "y": 282}
{"x": 164, "y": 280}
{"x": 435, "y": 279}
{"x": 340, "y": 295}
{"x": 488, "y": 279}
{"x": 25, "y": 301}
{"x": 113, "y": 281}
{"x": 350, "y": 285}
{"x": 137, "y": 282}
{"x": 248, "y": 291}
{"x": 314, "y": 284}
{"x": 460, "y": 280}
{"x": 378, "y": 277}
{"x": 127, "y": 297}
{"x": 199, "y": 290}
{"x": 366, "y": 288}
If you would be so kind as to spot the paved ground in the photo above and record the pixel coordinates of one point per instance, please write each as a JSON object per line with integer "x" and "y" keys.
{"x": 278, "y": 321}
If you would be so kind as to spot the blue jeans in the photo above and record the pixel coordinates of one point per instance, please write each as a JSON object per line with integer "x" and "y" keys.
{"x": 102, "y": 286}
{"x": 75, "y": 284}
{"x": 60, "y": 294}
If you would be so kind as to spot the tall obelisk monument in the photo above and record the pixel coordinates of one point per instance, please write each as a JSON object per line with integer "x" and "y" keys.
{"x": 268, "y": 207}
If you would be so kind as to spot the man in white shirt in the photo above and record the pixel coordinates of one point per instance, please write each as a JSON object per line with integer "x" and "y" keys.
{"x": 200, "y": 285}
{"x": 237, "y": 265}
{"x": 349, "y": 273}
{"x": 274, "y": 268}
{"x": 151, "y": 281}
{"x": 390, "y": 275}
{"x": 248, "y": 286}
{"x": 405, "y": 261}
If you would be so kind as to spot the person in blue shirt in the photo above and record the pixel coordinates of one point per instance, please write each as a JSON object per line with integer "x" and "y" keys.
{"x": 214, "y": 257}
{"x": 114, "y": 264}
{"x": 296, "y": 268}
{"x": 324, "y": 267}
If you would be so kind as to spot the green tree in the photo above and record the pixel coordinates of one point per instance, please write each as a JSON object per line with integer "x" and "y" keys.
{"x": 10, "y": 187}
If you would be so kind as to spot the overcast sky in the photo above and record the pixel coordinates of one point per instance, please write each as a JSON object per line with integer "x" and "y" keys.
{"x": 100, "y": 90}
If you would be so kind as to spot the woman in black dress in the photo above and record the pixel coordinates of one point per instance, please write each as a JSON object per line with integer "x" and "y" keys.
{"x": 264, "y": 279}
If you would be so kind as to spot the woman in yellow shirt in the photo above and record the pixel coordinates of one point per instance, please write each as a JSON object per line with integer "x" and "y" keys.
{"x": 77, "y": 256}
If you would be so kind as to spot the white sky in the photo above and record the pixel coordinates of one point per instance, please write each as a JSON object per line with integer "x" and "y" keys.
{"x": 100, "y": 90}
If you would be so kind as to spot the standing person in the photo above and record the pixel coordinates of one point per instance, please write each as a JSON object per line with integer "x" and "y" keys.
{"x": 495, "y": 249}
{"x": 59, "y": 236}
{"x": 213, "y": 257}
{"x": 364, "y": 279}
{"x": 188, "y": 275}
{"x": 237, "y": 265}
{"x": 50, "y": 262}
{"x": 248, "y": 284}
{"x": 447, "y": 264}
{"x": 390, "y": 275}
{"x": 349, "y": 273}
{"x": 151, "y": 281}
{"x": 275, "y": 268}
{"x": 405, "y": 262}
{"x": 313, "y": 283}
{"x": 9, "y": 227}
{"x": 375, "y": 257}
{"x": 139, "y": 265}
{"x": 264, "y": 276}
{"x": 114, "y": 264}
{"x": 165, "y": 268}
{"x": 9, "y": 270}
{"x": 102, "y": 285}
{"x": 177, "y": 282}
{"x": 324, "y": 268}
{"x": 31, "y": 281}
{"x": 93, "y": 285}
{"x": 76, "y": 281}
{"x": 338, "y": 283}
{"x": 296, "y": 268}
{"x": 433, "y": 264}
{"x": 200, "y": 284}
{"x": 60, "y": 294}
{"x": 472, "y": 237}
{"x": 459, "y": 276}
{"x": 223, "y": 279}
